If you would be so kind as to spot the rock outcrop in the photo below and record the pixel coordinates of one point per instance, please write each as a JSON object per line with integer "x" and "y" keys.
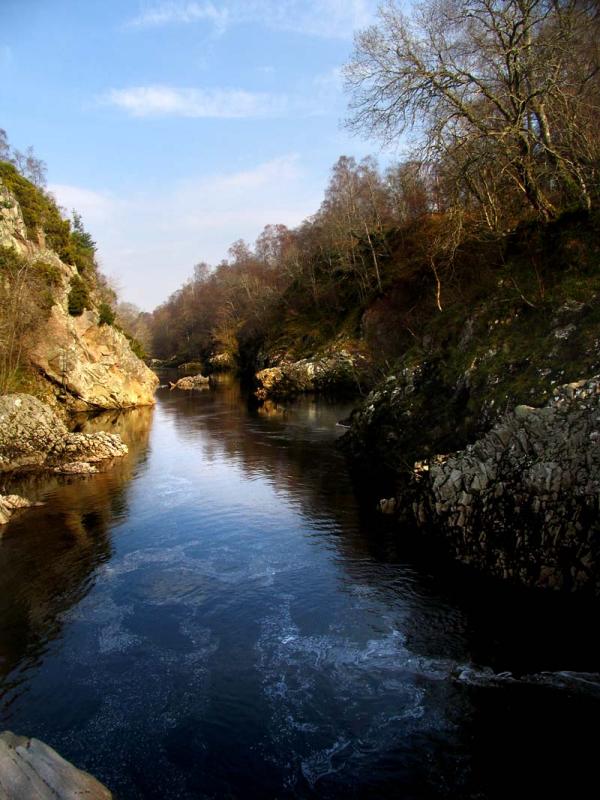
{"x": 92, "y": 365}
{"x": 29, "y": 432}
{"x": 9, "y": 504}
{"x": 88, "y": 364}
{"x": 33, "y": 437}
{"x": 191, "y": 382}
{"x": 523, "y": 502}
{"x": 31, "y": 770}
{"x": 334, "y": 372}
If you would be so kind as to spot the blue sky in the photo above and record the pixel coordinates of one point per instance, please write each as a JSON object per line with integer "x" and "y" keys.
{"x": 177, "y": 127}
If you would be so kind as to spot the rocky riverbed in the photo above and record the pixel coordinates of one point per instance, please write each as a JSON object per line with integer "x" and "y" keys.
{"x": 33, "y": 437}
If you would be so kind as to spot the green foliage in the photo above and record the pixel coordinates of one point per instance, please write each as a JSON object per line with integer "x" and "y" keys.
{"x": 10, "y": 261}
{"x": 106, "y": 314}
{"x": 136, "y": 346}
{"x": 78, "y": 297}
{"x": 50, "y": 273}
{"x": 83, "y": 247}
{"x": 39, "y": 212}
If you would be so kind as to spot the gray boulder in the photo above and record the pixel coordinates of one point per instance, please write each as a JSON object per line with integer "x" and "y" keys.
{"x": 29, "y": 431}
{"x": 30, "y": 770}
{"x": 32, "y": 436}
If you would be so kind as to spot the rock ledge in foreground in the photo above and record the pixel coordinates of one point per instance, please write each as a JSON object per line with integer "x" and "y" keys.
{"x": 30, "y": 770}
{"x": 33, "y": 437}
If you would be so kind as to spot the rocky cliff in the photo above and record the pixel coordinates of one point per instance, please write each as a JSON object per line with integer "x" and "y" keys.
{"x": 486, "y": 433}
{"x": 523, "y": 502}
{"x": 88, "y": 364}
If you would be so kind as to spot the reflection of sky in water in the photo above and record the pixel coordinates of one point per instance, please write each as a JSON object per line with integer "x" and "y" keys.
{"x": 222, "y": 625}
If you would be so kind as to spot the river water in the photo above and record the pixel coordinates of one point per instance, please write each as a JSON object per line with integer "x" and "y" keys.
{"x": 216, "y": 617}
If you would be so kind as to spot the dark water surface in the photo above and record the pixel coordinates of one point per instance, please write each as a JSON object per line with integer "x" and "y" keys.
{"x": 215, "y": 617}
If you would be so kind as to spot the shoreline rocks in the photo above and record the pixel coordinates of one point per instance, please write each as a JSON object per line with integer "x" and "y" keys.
{"x": 336, "y": 371}
{"x": 523, "y": 502}
{"x": 191, "y": 382}
{"x": 33, "y": 437}
{"x": 11, "y": 503}
{"x": 31, "y": 770}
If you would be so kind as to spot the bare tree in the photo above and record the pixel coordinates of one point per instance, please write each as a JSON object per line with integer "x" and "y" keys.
{"x": 486, "y": 81}
{"x": 20, "y": 314}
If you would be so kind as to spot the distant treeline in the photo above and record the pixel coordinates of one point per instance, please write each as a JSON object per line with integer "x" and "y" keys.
{"x": 502, "y": 99}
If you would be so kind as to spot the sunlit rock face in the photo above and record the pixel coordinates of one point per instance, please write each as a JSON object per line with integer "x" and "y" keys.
{"x": 93, "y": 364}
{"x": 337, "y": 371}
{"x": 10, "y": 504}
{"x": 90, "y": 365}
{"x": 29, "y": 432}
{"x": 30, "y": 769}
{"x": 33, "y": 437}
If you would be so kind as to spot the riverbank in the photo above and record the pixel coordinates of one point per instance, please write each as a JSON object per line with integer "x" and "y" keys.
{"x": 221, "y": 584}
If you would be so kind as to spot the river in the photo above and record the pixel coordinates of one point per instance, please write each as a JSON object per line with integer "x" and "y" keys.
{"x": 217, "y": 617}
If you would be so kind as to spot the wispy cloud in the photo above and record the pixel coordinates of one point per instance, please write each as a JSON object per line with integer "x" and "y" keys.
{"x": 160, "y": 101}
{"x": 324, "y": 18}
{"x": 313, "y": 98}
{"x": 168, "y": 13}
{"x": 96, "y": 206}
{"x": 150, "y": 241}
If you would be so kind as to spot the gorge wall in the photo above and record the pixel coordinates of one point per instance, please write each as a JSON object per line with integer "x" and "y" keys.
{"x": 83, "y": 363}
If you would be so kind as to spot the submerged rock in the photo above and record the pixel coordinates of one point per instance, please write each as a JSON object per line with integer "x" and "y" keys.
{"x": 191, "y": 382}
{"x": 31, "y": 770}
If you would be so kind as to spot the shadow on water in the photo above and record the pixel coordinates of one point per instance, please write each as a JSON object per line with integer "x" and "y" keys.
{"x": 50, "y": 554}
{"x": 216, "y": 616}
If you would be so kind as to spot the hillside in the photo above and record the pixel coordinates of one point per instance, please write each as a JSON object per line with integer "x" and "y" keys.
{"x": 57, "y": 337}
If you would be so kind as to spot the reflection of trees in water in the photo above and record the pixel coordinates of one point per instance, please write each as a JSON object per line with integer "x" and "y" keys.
{"x": 49, "y": 555}
{"x": 289, "y": 445}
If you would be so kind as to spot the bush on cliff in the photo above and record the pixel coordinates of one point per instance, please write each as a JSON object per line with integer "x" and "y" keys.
{"x": 79, "y": 298}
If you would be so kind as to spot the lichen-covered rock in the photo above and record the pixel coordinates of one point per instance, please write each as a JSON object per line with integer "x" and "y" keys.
{"x": 89, "y": 447}
{"x": 92, "y": 363}
{"x": 523, "y": 502}
{"x": 336, "y": 371}
{"x": 221, "y": 362}
{"x": 191, "y": 382}
{"x": 31, "y": 770}
{"x": 9, "y": 504}
{"x": 29, "y": 431}
{"x": 32, "y": 436}
{"x": 75, "y": 468}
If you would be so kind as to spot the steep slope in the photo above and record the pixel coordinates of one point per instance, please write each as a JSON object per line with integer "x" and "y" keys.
{"x": 87, "y": 363}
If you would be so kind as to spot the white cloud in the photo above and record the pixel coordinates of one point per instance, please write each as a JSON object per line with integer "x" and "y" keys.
{"x": 335, "y": 19}
{"x": 153, "y": 101}
{"x": 150, "y": 241}
{"x": 313, "y": 99}
{"x": 173, "y": 12}
{"x": 96, "y": 207}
